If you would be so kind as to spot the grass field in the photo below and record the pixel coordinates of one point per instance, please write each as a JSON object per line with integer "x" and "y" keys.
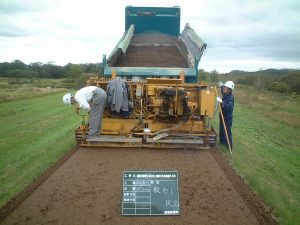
{"x": 266, "y": 149}
{"x": 34, "y": 133}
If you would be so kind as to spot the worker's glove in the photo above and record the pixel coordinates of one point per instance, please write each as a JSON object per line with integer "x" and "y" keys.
{"x": 130, "y": 104}
{"x": 77, "y": 109}
{"x": 220, "y": 84}
{"x": 219, "y": 100}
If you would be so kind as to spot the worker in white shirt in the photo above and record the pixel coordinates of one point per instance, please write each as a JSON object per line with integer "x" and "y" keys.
{"x": 93, "y": 100}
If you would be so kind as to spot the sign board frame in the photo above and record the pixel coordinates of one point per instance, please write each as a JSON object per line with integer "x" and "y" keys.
{"x": 148, "y": 193}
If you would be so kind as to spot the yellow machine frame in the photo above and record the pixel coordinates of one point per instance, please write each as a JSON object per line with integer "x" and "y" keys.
{"x": 167, "y": 113}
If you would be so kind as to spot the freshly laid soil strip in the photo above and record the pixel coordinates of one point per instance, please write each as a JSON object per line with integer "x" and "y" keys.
{"x": 19, "y": 198}
{"x": 87, "y": 189}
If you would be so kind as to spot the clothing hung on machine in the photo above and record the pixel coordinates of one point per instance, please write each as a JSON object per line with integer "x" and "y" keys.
{"x": 117, "y": 95}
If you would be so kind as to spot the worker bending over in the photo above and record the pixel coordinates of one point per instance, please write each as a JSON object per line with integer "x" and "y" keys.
{"x": 93, "y": 100}
{"x": 227, "y": 104}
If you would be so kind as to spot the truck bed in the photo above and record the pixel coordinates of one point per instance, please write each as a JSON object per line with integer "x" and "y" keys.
{"x": 152, "y": 46}
{"x": 152, "y": 56}
{"x": 152, "y": 50}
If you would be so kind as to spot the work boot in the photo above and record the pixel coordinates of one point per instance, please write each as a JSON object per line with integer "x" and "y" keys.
{"x": 93, "y": 136}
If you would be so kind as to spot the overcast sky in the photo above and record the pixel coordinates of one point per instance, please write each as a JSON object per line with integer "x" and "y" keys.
{"x": 240, "y": 34}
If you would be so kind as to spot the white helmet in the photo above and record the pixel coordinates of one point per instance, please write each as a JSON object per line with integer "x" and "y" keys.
{"x": 229, "y": 84}
{"x": 67, "y": 99}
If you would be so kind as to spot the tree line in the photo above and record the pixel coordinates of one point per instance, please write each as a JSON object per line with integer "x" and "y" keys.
{"x": 284, "y": 80}
{"x": 18, "y": 69}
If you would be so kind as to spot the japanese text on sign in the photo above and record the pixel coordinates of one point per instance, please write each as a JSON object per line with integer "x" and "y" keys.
{"x": 150, "y": 193}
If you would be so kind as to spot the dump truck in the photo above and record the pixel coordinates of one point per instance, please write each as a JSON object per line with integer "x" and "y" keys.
{"x": 171, "y": 106}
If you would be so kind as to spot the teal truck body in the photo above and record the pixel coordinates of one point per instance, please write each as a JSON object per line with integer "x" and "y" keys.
{"x": 152, "y": 36}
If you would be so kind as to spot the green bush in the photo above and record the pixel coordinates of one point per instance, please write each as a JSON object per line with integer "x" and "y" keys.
{"x": 292, "y": 79}
{"x": 81, "y": 81}
{"x": 279, "y": 87}
{"x": 21, "y": 73}
{"x": 246, "y": 80}
{"x": 68, "y": 80}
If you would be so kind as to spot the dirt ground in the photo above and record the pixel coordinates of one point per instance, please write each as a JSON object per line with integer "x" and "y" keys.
{"x": 87, "y": 189}
{"x": 152, "y": 50}
{"x": 163, "y": 56}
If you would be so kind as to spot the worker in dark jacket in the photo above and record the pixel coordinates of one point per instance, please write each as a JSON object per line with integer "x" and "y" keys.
{"x": 227, "y": 104}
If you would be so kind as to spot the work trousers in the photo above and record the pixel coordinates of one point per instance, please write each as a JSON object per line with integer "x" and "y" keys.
{"x": 97, "y": 104}
{"x": 222, "y": 134}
